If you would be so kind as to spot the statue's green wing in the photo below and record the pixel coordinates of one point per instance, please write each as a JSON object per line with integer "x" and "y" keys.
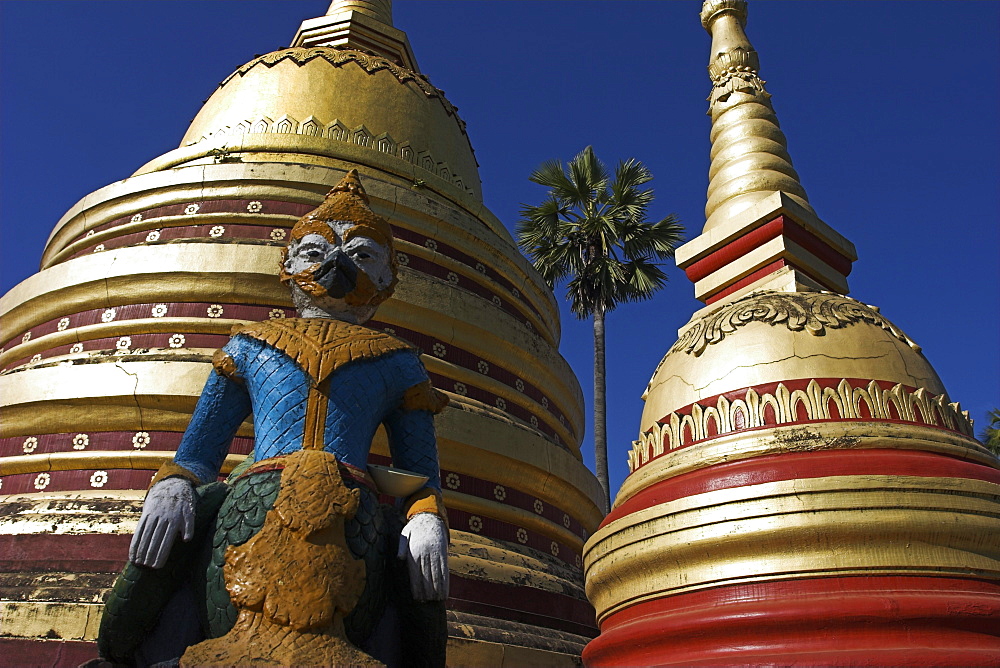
{"x": 367, "y": 537}
{"x": 241, "y": 516}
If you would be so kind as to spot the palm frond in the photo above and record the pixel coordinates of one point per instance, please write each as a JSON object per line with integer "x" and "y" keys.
{"x": 657, "y": 241}
{"x": 553, "y": 176}
{"x": 589, "y": 175}
{"x": 644, "y": 279}
{"x": 631, "y": 200}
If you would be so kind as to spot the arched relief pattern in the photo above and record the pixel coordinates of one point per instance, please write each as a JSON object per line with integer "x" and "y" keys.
{"x": 338, "y": 131}
{"x": 385, "y": 144}
{"x": 362, "y": 137}
{"x": 819, "y": 400}
{"x": 406, "y": 152}
{"x": 286, "y": 125}
{"x": 425, "y": 161}
{"x": 311, "y": 127}
{"x": 262, "y": 124}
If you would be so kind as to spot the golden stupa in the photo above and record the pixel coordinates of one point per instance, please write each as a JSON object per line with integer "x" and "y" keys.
{"x": 105, "y": 350}
{"x": 802, "y": 489}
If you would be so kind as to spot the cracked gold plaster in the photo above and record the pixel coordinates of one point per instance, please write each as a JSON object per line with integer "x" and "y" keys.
{"x": 813, "y": 312}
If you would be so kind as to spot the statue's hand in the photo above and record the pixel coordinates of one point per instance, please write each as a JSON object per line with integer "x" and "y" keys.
{"x": 424, "y": 545}
{"x": 167, "y": 511}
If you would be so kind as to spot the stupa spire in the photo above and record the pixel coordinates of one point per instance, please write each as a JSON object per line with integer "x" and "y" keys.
{"x": 363, "y": 25}
{"x": 760, "y": 230}
{"x": 749, "y": 153}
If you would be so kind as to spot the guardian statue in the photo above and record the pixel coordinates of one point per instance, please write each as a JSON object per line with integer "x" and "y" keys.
{"x": 289, "y": 559}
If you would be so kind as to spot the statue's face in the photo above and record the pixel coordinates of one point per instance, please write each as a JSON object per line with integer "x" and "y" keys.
{"x": 338, "y": 275}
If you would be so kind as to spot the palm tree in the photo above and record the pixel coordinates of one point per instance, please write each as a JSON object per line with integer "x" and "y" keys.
{"x": 592, "y": 232}
{"x": 990, "y": 435}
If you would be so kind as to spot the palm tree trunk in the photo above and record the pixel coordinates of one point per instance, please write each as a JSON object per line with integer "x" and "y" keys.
{"x": 600, "y": 410}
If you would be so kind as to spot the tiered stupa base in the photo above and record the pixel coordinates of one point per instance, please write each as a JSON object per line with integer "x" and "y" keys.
{"x": 769, "y": 558}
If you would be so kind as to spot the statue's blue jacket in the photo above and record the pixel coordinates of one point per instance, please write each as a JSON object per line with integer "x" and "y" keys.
{"x": 315, "y": 383}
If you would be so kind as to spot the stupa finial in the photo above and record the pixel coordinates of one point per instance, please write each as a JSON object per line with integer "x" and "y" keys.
{"x": 364, "y": 25}
{"x": 377, "y": 9}
{"x": 750, "y": 160}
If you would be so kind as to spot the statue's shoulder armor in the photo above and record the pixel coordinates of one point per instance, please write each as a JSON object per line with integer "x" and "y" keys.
{"x": 320, "y": 346}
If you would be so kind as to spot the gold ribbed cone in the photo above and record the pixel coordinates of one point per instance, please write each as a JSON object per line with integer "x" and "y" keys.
{"x": 749, "y": 155}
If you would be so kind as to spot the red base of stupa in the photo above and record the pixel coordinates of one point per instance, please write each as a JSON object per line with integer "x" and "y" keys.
{"x": 857, "y": 621}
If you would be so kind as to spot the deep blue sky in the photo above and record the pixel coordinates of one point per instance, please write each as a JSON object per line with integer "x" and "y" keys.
{"x": 890, "y": 110}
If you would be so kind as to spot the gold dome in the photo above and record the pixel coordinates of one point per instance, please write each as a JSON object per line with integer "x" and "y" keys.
{"x": 340, "y": 96}
{"x": 762, "y": 339}
{"x": 776, "y": 362}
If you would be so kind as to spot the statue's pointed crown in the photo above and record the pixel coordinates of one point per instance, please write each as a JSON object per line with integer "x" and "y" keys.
{"x": 347, "y": 201}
